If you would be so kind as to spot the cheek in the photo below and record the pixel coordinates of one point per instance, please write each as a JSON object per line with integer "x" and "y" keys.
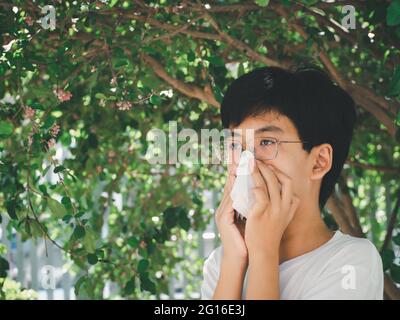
{"x": 292, "y": 168}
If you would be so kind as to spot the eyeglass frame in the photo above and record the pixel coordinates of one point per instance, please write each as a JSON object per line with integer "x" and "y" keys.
{"x": 277, "y": 142}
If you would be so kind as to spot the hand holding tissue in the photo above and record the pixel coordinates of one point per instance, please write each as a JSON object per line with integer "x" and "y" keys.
{"x": 242, "y": 194}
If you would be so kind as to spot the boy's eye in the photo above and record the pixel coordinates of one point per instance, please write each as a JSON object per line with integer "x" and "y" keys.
{"x": 266, "y": 142}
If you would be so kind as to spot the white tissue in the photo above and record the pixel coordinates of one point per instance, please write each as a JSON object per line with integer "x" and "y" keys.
{"x": 241, "y": 194}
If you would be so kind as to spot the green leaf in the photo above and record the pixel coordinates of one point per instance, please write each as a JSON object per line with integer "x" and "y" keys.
{"x": 398, "y": 118}
{"x": 67, "y": 218}
{"x": 6, "y": 129}
{"x": 58, "y": 169}
{"x": 130, "y": 287}
{"x": 395, "y": 272}
{"x": 100, "y": 253}
{"x": 396, "y": 239}
{"x": 89, "y": 241}
{"x": 74, "y": 178}
{"x": 79, "y": 232}
{"x": 66, "y": 201}
{"x": 156, "y": 100}
{"x": 120, "y": 62}
{"x": 387, "y": 259}
{"x": 133, "y": 242}
{"x": 80, "y": 214}
{"x": 262, "y": 3}
{"x": 393, "y": 13}
{"x": 4, "y": 267}
{"x": 92, "y": 258}
{"x": 146, "y": 283}
{"x": 100, "y": 95}
{"x": 143, "y": 265}
{"x": 36, "y": 105}
{"x": 184, "y": 221}
{"x": 43, "y": 189}
{"x": 48, "y": 123}
{"x": 394, "y": 88}
{"x": 81, "y": 281}
{"x": 170, "y": 217}
{"x": 36, "y": 230}
{"x": 10, "y": 206}
{"x": 113, "y": 3}
{"x": 56, "y": 208}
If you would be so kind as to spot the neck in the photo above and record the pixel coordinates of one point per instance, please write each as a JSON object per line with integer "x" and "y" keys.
{"x": 306, "y": 232}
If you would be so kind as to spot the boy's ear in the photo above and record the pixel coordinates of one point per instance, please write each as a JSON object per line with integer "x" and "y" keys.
{"x": 322, "y": 157}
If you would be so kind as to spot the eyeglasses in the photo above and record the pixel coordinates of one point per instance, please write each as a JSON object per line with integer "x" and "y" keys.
{"x": 265, "y": 148}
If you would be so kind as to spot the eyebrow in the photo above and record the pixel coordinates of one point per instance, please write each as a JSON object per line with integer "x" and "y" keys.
{"x": 269, "y": 128}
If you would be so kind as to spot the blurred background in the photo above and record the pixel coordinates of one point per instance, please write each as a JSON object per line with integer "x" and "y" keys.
{"x": 84, "y": 215}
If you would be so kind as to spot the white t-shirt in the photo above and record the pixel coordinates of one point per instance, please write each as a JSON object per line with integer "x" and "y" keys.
{"x": 345, "y": 267}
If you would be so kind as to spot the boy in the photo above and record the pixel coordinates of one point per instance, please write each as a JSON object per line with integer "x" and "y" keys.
{"x": 303, "y": 125}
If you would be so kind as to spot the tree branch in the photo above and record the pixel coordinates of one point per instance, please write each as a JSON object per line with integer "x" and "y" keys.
{"x": 185, "y": 88}
{"x": 339, "y": 214}
{"x": 391, "y": 223}
{"x": 370, "y": 102}
{"x": 349, "y": 208}
{"x": 242, "y": 46}
{"x": 368, "y": 166}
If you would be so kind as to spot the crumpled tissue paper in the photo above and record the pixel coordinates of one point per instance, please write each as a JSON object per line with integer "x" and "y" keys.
{"x": 242, "y": 194}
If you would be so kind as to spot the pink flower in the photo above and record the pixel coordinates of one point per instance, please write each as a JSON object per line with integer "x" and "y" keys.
{"x": 29, "y": 113}
{"x": 124, "y": 105}
{"x": 62, "y": 95}
{"x": 54, "y": 130}
{"x": 28, "y": 21}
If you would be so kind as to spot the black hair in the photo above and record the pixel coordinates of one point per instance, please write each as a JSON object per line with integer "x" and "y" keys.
{"x": 321, "y": 110}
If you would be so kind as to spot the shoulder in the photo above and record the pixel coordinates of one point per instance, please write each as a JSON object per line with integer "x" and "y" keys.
{"x": 355, "y": 254}
{"x": 356, "y": 250}
{"x": 351, "y": 268}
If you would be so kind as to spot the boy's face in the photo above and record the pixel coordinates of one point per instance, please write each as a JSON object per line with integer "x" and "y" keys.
{"x": 291, "y": 159}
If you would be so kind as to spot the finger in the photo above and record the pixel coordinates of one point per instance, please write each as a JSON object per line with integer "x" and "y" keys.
{"x": 293, "y": 206}
{"x": 232, "y": 169}
{"x": 272, "y": 183}
{"x": 230, "y": 179}
{"x": 287, "y": 186}
{"x": 257, "y": 177}
{"x": 225, "y": 208}
{"x": 226, "y": 205}
{"x": 260, "y": 203}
